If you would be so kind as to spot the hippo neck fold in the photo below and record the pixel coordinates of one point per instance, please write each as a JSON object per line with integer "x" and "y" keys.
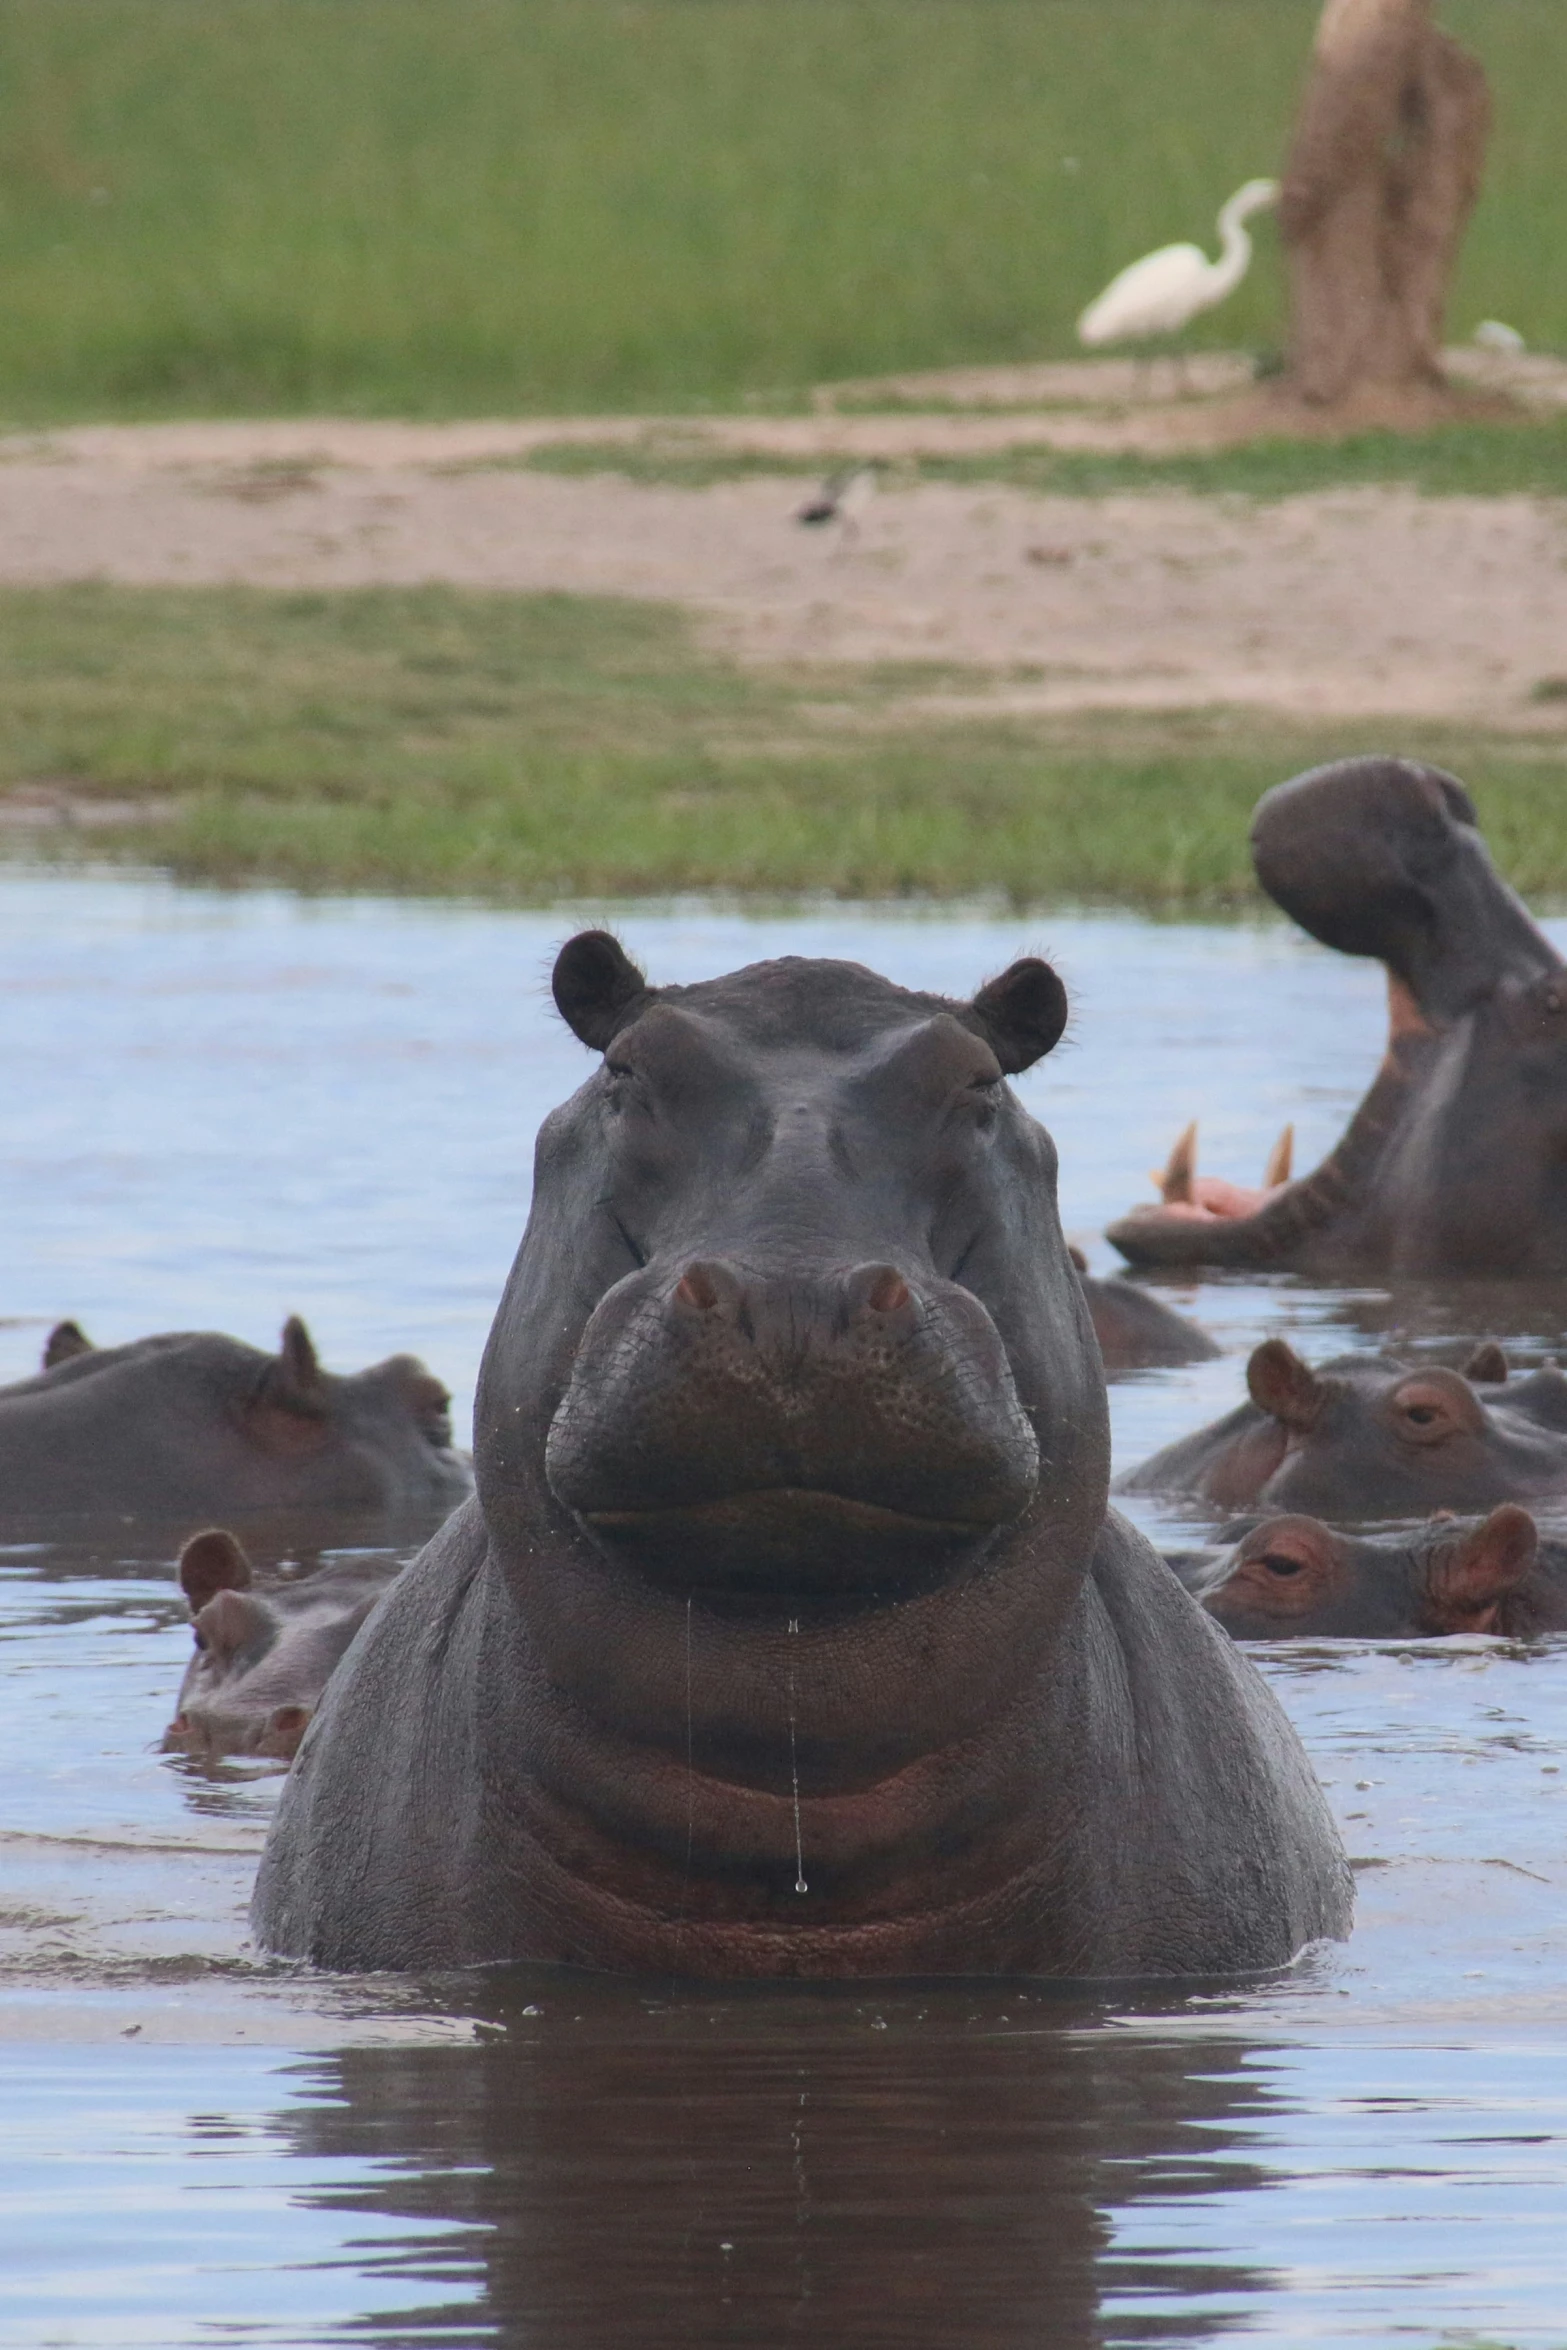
{"x": 702, "y": 1818}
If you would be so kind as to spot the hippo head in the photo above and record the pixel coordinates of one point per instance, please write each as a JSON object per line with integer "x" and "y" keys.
{"x": 1369, "y": 1437}
{"x": 188, "y": 1423}
{"x": 1457, "y": 1159}
{"x": 263, "y": 1654}
{"x": 223, "y": 1707}
{"x": 1293, "y": 1577}
{"x": 793, "y": 1323}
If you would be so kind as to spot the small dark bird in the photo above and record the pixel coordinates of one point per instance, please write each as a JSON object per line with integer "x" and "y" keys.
{"x": 841, "y": 498}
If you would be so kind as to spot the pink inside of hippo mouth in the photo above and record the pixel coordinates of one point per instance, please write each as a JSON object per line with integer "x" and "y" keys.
{"x": 1186, "y": 1197}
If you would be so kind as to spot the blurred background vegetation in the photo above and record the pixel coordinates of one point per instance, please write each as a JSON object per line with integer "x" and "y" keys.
{"x": 389, "y": 206}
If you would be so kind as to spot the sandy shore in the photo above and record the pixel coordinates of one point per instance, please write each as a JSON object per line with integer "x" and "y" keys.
{"x": 1354, "y": 603}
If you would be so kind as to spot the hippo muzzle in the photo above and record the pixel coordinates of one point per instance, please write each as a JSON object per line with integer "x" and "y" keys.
{"x": 850, "y": 1434}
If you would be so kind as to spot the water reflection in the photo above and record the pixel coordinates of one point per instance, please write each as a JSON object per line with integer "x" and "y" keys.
{"x": 921, "y": 2168}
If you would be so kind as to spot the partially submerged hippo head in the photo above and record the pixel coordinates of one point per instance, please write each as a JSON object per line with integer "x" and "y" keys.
{"x": 1294, "y": 1577}
{"x": 1365, "y": 1436}
{"x": 1456, "y": 1161}
{"x": 193, "y": 1424}
{"x": 816, "y": 1319}
{"x": 263, "y": 1654}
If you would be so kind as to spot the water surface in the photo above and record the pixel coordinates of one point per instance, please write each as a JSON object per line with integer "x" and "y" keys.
{"x": 220, "y": 1109}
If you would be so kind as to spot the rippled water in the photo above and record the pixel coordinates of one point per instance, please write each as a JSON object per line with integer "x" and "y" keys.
{"x": 221, "y": 1109}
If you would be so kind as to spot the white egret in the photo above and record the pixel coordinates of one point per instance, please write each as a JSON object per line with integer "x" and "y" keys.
{"x": 1166, "y": 290}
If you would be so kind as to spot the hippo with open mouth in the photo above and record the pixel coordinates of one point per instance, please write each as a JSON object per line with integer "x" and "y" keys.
{"x": 1455, "y": 1162}
{"x": 788, "y": 1633}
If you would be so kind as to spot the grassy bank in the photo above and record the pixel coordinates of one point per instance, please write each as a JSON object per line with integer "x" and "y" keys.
{"x": 1462, "y": 460}
{"x": 384, "y": 206}
{"x": 525, "y": 748}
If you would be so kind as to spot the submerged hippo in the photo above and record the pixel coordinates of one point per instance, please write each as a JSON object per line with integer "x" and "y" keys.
{"x": 1296, "y": 1578}
{"x": 263, "y": 1652}
{"x": 788, "y": 1634}
{"x": 1365, "y": 1436}
{"x": 1138, "y": 1332}
{"x": 1456, "y": 1160}
{"x": 191, "y": 1425}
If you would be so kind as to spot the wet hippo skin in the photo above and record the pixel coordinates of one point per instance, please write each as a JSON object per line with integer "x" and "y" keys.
{"x": 788, "y": 1633}
{"x": 1296, "y": 1578}
{"x": 1369, "y": 1436}
{"x": 1137, "y": 1331}
{"x": 192, "y": 1425}
{"x": 264, "y": 1650}
{"x": 1456, "y": 1161}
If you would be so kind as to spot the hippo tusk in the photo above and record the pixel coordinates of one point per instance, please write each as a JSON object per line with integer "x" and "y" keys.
{"x": 1174, "y": 1186}
{"x": 1280, "y": 1161}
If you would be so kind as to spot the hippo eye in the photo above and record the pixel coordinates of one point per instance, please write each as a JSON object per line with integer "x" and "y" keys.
{"x": 1422, "y": 1414}
{"x": 1279, "y": 1562}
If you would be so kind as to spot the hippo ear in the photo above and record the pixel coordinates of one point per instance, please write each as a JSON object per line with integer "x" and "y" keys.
{"x": 1284, "y": 1387}
{"x": 295, "y": 1382}
{"x": 210, "y": 1563}
{"x": 1021, "y": 1014}
{"x": 1467, "y": 1581}
{"x": 1488, "y": 1364}
{"x": 64, "y": 1343}
{"x": 596, "y": 987}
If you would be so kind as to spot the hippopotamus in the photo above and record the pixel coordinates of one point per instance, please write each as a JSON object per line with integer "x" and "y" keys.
{"x": 1295, "y": 1577}
{"x": 1369, "y": 1436}
{"x": 789, "y": 1633}
{"x": 191, "y": 1425}
{"x": 1137, "y": 1332}
{"x": 1455, "y": 1162}
{"x": 263, "y": 1652}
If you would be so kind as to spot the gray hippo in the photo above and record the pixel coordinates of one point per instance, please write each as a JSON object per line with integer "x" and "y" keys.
{"x": 264, "y": 1651}
{"x": 1369, "y": 1436}
{"x": 1294, "y": 1578}
{"x": 191, "y": 1424}
{"x": 1136, "y": 1331}
{"x": 788, "y": 1634}
{"x": 1456, "y": 1160}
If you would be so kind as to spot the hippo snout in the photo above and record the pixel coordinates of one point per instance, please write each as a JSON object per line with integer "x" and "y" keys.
{"x": 810, "y": 1433}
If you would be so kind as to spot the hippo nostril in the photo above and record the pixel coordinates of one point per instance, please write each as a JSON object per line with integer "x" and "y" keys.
{"x": 697, "y": 1288}
{"x": 876, "y": 1289}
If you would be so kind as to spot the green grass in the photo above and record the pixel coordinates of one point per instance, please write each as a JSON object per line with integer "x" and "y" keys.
{"x": 1475, "y": 460}
{"x": 396, "y": 206}
{"x": 528, "y": 748}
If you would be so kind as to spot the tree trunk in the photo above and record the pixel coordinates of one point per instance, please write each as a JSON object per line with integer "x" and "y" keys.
{"x": 1381, "y": 179}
